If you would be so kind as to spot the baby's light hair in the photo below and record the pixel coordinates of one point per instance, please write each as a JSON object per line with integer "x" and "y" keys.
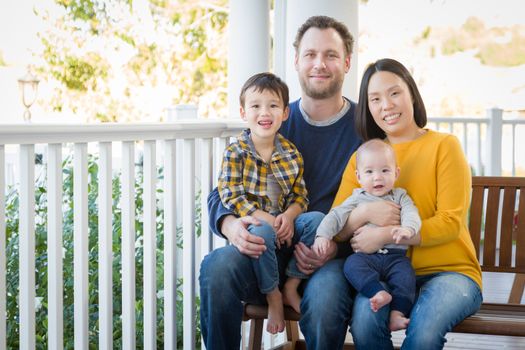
{"x": 374, "y": 145}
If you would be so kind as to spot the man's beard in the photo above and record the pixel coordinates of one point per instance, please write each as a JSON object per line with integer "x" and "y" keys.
{"x": 319, "y": 94}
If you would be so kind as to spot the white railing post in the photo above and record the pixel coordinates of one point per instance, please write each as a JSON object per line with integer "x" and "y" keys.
{"x": 150, "y": 245}
{"x": 170, "y": 246}
{"x": 105, "y": 247}
{"x": 188, "y": 251}
{"x": 27, "y": 247}
{"x": 206, "y": 176}
{"x": 80, "y": 246}
{"x": 494, "y": 138}
{"x": 128, "y": 245}
{"x": 55, "y": 247}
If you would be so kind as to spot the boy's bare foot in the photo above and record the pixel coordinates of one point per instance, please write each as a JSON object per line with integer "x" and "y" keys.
{"x": 275, "y": 323}
{"x": 398, "y": 321}
{"x": 290, "y": 295}
{"x": 379, "y": 300}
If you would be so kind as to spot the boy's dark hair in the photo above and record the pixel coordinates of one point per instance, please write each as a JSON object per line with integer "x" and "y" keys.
{"x": 266, "y": 81}
{"x": 325, "y": 22}
{"x": 365, "y": 125}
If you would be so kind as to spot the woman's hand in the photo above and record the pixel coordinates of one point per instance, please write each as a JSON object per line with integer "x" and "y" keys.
{"x": 369, "y": 239}
{"x": 383, "y": 213}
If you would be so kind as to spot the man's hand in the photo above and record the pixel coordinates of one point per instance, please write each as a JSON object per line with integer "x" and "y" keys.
{"x": 235, "y": 230}
{"x": 308, "y": 261}
{"x": 369, "y": 239}
{"x": 284, "y": 229}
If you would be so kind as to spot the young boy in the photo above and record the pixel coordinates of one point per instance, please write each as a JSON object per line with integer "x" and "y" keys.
{"x": 262, "y": 176}
{"x": 377, "y": 171}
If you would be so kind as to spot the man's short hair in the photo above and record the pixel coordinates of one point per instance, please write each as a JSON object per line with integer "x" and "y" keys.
{"x": 325, "y": 22}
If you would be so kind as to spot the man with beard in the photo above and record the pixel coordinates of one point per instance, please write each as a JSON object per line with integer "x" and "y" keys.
{"x": 321, "y": 125}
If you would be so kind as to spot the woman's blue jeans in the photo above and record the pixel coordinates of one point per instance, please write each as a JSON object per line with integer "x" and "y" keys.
{"x": 444, "y": 299}
{"x": 227, "y": 279}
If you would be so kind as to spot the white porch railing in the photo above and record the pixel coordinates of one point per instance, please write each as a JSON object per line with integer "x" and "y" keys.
{"x": 185, "y": 151}
{"x": 170, "y": 145}
{"x": 491, "y": 144}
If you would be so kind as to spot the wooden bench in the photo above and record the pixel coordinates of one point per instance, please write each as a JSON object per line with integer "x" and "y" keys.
{"x": 497, "y": 228}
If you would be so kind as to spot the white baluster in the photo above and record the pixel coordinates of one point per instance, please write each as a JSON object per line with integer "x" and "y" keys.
{"x": 54, "y": 246}
{"x": 170, "y": 247}
{"x": 81, "y": 250}
{"x": 188, "y": 229}
{"x": 206, "y": 176}
{"x": 128, "y": 246}
{"x": 150, "y": 245}
{"x": 105, "y": 246}
{"x": 27, "y": 246}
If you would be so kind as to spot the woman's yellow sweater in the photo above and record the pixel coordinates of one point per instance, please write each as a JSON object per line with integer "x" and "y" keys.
{"x": 437, "y": 177}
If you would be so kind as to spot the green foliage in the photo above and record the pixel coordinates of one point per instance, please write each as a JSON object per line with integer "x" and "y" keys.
{"x": 499, "y": 47}
{"x": 102, "y": 56}
{"x": 507, "y": 54}
{"x": 12, "y": 252}
{"x": 473, "y": 26}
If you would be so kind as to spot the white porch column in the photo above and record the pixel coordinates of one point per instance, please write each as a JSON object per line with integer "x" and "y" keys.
{"x": 297, "y": 11}
{"x": 249, "y": 46}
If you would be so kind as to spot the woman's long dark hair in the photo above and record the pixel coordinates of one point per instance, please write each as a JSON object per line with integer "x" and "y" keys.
{"x": 365, "y": 125}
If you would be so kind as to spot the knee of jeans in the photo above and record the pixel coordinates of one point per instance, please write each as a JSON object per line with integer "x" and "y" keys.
{"x": 328, "y": 295}
{"x": 220, "y": 268}
{"x": 416, "y": 339}
{"x": 264, "y": 231}
{"x": 312, "y": 218}
{"x": 366, "y": 323}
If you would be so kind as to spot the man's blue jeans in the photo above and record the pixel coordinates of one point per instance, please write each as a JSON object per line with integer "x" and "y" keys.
{"x": 444, "y": 299}
{"x": 227, "y": 279}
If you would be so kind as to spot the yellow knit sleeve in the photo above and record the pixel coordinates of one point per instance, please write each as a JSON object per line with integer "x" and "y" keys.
{"x": 453, "y": 195}
{"x": 348, "y": 182}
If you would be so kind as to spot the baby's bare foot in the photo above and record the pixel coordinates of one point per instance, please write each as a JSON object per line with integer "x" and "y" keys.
{"x": 275, "y": 323}
{"x": 398, "y": 321}
{"x": 379, "y": 300}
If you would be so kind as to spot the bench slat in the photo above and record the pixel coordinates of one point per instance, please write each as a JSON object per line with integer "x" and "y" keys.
{"x": 507, "y": 218}
{"x": 520, "y": 230}
{"x": 491, "y": 227}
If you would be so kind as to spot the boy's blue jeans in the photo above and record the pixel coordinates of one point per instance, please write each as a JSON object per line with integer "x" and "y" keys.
{"x": 444, "y": 299}
{"x": 266, "y": 267}
{"x": 227, "y": 280}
